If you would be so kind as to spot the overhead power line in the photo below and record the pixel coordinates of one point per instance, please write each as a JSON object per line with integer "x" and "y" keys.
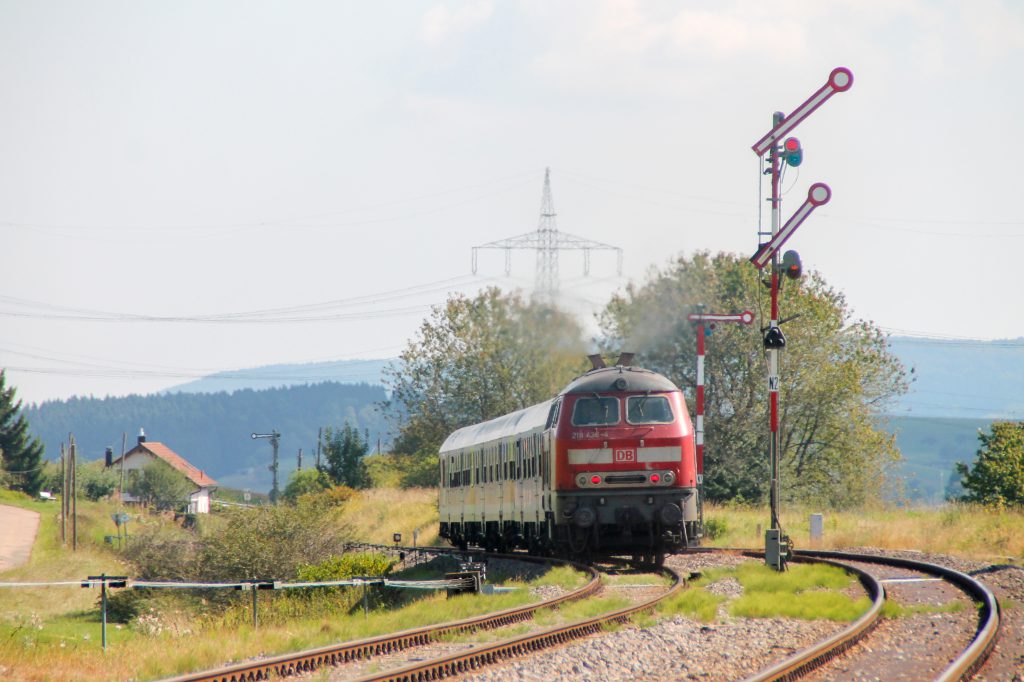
{"x": 306, "y": 312}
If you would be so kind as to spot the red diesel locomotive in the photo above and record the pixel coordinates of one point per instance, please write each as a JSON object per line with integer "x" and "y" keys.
{"x": 606, "y": 467}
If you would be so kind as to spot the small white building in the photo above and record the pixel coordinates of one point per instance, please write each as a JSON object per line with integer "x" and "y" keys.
{"x": 145, "y": 453}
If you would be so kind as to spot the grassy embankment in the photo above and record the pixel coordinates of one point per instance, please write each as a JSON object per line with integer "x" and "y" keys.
{"x": 986, "y": 534}
{"x": 53, "y": 633}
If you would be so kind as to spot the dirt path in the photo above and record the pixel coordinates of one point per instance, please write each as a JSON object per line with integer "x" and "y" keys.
{"x": 17, "y": 534}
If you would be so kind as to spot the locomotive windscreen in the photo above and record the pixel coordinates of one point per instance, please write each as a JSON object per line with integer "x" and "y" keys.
{"x": 645, "y": 409}
{"x": 595, "y": 411}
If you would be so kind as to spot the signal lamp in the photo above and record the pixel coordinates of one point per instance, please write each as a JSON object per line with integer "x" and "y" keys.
{"x": 792, "y": 152}
{"x": 655, "y": 478}
{"x": 595, "y": 479}
{"x": 791, "y": 265}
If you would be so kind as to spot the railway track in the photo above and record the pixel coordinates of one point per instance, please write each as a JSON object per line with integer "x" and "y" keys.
{"x": 339, "y": 654}
{"x": 904, "y": 575}
{"x": 838, "y": 647}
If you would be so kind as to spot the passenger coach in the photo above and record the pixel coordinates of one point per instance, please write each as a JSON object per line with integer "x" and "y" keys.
{"x": 606, "y": 467}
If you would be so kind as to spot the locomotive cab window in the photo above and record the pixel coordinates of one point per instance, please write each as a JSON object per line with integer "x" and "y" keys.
{"x": 647, "y": 409}
{"x": 595, "y": 411}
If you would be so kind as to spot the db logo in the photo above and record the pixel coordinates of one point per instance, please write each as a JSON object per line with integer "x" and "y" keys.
{"x": 626, "y": 455}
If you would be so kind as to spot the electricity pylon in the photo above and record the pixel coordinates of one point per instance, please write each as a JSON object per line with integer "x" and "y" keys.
{"x": 547, "y": 241}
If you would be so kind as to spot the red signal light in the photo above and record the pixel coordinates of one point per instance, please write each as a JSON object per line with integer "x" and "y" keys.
{"x": 792, "y": 152}
{"x": 655, "y": 478}
{"x": 595, "y": 479}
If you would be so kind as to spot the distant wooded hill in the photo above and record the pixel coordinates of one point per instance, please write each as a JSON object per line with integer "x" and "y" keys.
{"x": 277, "y": 376}
{"x": 212, "y": 430}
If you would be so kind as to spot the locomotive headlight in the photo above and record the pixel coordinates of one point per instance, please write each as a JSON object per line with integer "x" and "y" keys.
{"x": 670, "y": 514}
{"x": 585, "y": 517}
{"x": 668, "y": 477}
{"x": 581, "y": 480}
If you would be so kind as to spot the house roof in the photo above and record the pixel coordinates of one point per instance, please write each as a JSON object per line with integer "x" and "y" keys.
{"x": 197, "y": 476}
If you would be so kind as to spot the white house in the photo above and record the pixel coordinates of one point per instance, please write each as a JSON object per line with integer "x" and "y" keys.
{"x": 145, "y": 453}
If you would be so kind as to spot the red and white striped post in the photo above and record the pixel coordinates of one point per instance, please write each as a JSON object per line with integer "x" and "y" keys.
{"x": 699, "y": 319}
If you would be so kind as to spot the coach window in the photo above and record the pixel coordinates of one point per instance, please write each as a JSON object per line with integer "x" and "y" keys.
{"x": 596, "y": 411}
{"x": 647, "y": 409}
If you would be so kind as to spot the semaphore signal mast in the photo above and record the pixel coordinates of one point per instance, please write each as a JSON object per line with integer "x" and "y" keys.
{"x": 790, "y": 152}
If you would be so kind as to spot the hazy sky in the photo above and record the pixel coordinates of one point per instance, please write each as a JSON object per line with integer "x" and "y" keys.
{"x": 190, "y": 159}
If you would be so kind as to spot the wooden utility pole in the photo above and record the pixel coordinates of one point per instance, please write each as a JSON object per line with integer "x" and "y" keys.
{"x": 300, "y": 459}
{"x": 63, "y": 497}
{"x": 319, "y": 437}
{"x": 120, "y": 486}
{"x": 74, "y": 494}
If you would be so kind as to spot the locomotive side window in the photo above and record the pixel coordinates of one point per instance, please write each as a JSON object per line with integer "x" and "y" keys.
{"x": 595, "y": 411}
{"x": 645, "y": 409}
{"x": 556, "y": 407}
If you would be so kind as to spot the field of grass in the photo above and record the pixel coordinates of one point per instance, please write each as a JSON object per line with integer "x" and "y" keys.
{"x": 374, "y": 515}
{"x": 961, "y": 530}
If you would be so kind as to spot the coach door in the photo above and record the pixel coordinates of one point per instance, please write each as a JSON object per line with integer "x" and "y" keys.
{"x": 519, "y": 479}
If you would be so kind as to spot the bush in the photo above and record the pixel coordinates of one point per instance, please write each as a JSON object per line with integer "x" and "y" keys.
{"x": 124, "y": 605}
{"x": 97, "y": 481}
{"x": 270, "y": 542}
{"x": 714, "y": 528}
{"x": 305, "y": 482}
{"x": 162, "y": 554}
{"x": 347, "y": 566}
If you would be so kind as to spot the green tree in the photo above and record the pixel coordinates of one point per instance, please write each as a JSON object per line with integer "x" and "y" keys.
{"x": 305, "y": 482}
{"x": 343, "y": 453}
{"x": 22, "y": 454}
{"x": 997, "y": 477}
{"x": 472, "y": 360}
{"x": 160, "y": 485}
{"x": 836, "y": 375}
{"x": 96, "y": 480}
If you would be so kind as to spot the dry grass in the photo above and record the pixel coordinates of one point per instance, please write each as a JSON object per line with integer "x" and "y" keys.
{"x": 375, "y": 514}
{"x": 961, "y": 530}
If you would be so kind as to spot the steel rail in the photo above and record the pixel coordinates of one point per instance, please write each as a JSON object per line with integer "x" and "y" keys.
{"x": 486, "y": 654}
{"x": 333, "y": 654}
{"x": 962, "y": 667}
